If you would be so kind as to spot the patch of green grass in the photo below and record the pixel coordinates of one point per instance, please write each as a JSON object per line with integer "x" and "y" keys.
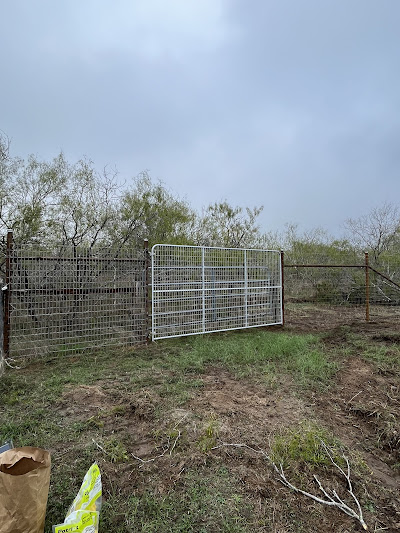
{"x": 14, "y": 388}
{"x": 44, "y": 381}
{"x": 171, "y": 368}
{"x": 35, "y": 428}
{"x": 116, "y": 450}
{"x": 386, "y": 358}
{"x": 263, "y": 353}
{"x": 201, "y": 504}
{"x": 208, "y": 438}
{"x": 302, "y": 446}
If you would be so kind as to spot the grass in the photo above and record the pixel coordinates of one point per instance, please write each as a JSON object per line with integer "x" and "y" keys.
{"x": 260, "y": 355}
{"x": 202, "y": 505}
{"x": 173, "y": 371}
{"x": 383, "y": 351}
{"x": 386, "y": 358}
{"x": 191, "y": 489}
{"x": 208, "y": 437}
{"x": 177, "y": 364}
{"x": 303, "y": 445}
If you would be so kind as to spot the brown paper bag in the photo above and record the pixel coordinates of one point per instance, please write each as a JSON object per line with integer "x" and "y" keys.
{"x": 24, "y": 487}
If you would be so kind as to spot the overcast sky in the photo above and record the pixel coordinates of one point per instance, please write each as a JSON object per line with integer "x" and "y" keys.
{"x": 290, "y": 104}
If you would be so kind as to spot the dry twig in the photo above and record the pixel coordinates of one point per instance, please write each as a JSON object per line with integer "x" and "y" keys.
{"x": 168, "y": 448}
{"x": 99, "y": 447}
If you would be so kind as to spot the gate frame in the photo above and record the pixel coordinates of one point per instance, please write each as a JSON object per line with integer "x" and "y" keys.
{"x": 203, "y": 290}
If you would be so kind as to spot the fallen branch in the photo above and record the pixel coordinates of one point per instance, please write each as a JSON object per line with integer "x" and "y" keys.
{"x": 10, "y": 365}
{"x": 332, "y": 500}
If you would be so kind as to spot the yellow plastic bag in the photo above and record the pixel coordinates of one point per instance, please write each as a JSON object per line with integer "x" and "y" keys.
{"x": 83, "y": 515}
{"x": 79, "y": 521}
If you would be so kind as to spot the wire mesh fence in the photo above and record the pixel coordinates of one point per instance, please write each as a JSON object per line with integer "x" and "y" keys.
{"x": 70, "y": 299}
{"x": 204, "y": 289}
{"x": 351, "y": 281}
{"x": 384, "y": 280}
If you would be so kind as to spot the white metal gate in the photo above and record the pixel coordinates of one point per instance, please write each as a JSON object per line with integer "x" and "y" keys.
{"x": 197, "y": 289}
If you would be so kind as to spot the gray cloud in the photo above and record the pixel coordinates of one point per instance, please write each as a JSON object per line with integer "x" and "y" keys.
{"x": 294, "y": 105}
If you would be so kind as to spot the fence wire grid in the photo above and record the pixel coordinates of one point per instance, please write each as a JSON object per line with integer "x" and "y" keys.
{"x": 67, "y": 299}
{"x": 74, "y": 299}
{"x": 344, "y": 284}
{"x": 204, "y": 289}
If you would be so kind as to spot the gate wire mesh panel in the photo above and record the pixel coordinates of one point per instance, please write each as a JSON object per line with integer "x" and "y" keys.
{"x": 202, "y": 290}
{"x": 70, "y": 299}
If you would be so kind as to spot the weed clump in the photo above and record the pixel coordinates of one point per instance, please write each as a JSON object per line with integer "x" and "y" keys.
{"x": 303, "y": 446}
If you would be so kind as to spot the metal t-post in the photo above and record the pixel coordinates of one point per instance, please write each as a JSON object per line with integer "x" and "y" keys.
{"x": 146, "y": 289}
{"x": 366, "y": 287}
{"x": 7, "y": 297}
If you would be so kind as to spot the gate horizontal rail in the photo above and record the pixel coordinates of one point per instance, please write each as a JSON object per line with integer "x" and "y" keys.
{"x": 76, "y": 292}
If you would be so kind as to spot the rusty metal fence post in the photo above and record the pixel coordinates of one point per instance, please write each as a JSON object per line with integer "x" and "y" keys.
{"x": 366, "y": 287}
{"x": 147, "y": 266}
{"x": 7, "y": 296}
{"x": 283, "y": 286}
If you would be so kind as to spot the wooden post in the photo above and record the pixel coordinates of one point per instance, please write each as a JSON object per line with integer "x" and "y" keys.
{"x": 283, "y": 286}
{"x": 366, "y": 287}
{"x": 146, "y": 289}
{"x": 7, "y": 296}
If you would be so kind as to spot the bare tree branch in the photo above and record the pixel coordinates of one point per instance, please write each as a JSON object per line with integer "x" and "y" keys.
{"x": 375, "y": 231}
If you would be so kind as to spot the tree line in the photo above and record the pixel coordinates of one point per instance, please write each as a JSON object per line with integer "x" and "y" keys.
{"x": 58, "y": 202}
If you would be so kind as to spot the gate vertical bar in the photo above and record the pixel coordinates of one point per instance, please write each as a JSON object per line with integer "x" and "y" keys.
{"x": 366, "y": 287}
{"x": 146, "y": 289}
{"x": 203, "y": 278}
{"x": 282, "y": 287}
{"x": 7, "y": 296}
{"x": 153, "y": 331}
{"x": 245, "y": 289}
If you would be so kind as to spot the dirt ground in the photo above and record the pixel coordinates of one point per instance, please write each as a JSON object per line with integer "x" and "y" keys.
{"x": 311, "y": 318}
{"x": 361, "y": 408}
